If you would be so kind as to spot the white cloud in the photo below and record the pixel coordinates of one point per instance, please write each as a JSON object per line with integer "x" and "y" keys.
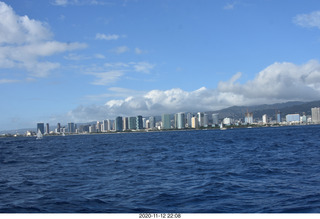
{"x": 8, "y": 81}
{"x": 101, "y": 36}
{"x": 24, "y": 40}
{"x": 308, "y": 20}
{"x": 143, "y": 67}
{"x": 120, "y": 49}
{"x": 278, "y": 82}
{"x": 78, "y": 2}
{"x": 139, "y": 51}
{"x": 99, "y": 56}
{"x": 229, "y": 6}
{"x": 106, "y": 78}
{"x": 61, "y": 2}
{"x": 112, "y": 72}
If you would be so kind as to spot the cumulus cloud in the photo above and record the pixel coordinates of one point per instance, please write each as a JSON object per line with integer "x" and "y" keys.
{"x": 278, "y": 82}
{"x": 308, "y": 20}
{"x": 23, "y": 41}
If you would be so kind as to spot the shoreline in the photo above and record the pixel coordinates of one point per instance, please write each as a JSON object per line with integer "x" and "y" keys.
{"x": 162, "y": 130}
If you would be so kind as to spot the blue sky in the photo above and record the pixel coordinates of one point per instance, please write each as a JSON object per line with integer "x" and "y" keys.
{"x": 85, "y": 60}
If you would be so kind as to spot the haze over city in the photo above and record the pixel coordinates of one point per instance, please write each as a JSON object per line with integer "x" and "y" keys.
{"x": 85, "y": 60}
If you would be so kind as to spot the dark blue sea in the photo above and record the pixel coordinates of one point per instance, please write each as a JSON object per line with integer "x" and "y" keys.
{"x": 271, "y": 170}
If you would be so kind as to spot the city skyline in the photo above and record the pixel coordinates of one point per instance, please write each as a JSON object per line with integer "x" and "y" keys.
{"x": 90, "y": 60}
{"x": 182, "y": 120}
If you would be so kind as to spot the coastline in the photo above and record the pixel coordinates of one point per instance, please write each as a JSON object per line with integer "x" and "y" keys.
{"x": 231, "y": 127}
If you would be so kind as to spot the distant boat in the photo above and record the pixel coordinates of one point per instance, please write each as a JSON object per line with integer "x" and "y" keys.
{"x": 63, "y": 134}
{"x": 39, "y": 134}
{"x": 221, "y": 127}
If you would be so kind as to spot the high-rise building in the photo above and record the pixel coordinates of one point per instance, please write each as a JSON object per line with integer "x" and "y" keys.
{"x": 105, "y": 125}
{"x": 110, "y": 122}
{"x": 71, "y": 127}
{"x": 181, "y": 120}
{"x": 278, "y": 116}
{"x": 125, "y": 123}
{"x": 315, "y": 115}
{"x": 132, "y": 123}
{"x": 264, "y": 119}
{"x": 205, "y": 120}
{"x": 139, "y": 122}
{"x": 175, "y": 121}
{"x": 152, "y": 122}
{"x": 166, "y": 121}
{"x": 215, "y": 119}
{"x": 40, "y": 126}
{"x": 200, "y": 119}
{"x": 189, "y": 117}
{"x": 92, "y": 128}
{"x": 118, "y": 124}
{"x": 58, "y": 128}
{"x": 98, "y": 127}
{"x": 194, "y": 122}
{"x": 248, "y": 118}
{"x": 144, "y": 123}
{"x": 47, "y": 128}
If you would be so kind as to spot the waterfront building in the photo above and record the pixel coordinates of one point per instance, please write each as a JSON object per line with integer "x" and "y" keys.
{"x": 278, "y": 116}
{"x": 189, "y": 117}
{"x": 40, "y": 126}
{"x": 132, "y": 123}
{"x": 180, "y": 120}
{"x": 200, "y": 116}
{"x": 47, "y": 128}
{"x": 118, "y": 123}
{"x": 176, "y": 121}
{"x": 227, "y": 121}
{"x": 293, "y": 118}
{"x": 215, "y": 119}
{"x": 248, "y": 118}
{"x": 71, "y": 127}
{"x": 166, "y": 121}
{"x": 139, "y": 122}
{"x": 315, "y": 115}
{"x": 194, "y": 122}
{"x": 58, "y": 128}
{"x": 144, "y": 123}
{"x": 125, "y": 123}
{"x": 105, "y": 125}
{"x": 92, "y": 128}
{"x": 84, "y": 128}
{"x": 205, "y": 120}
{"x": 152, "y": 122}
{"x": 110, "y": 126}
{"x": 264, "y": 119}
{"x": 98, "y": 127}
{"x": 303, "y": 119}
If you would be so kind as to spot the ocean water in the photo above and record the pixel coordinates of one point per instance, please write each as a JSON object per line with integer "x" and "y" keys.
{"x": 272, "y": 170}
